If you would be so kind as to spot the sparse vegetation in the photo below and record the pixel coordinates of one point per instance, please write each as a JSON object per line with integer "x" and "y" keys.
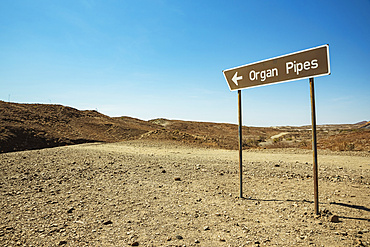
{"x": 251, "y": 143}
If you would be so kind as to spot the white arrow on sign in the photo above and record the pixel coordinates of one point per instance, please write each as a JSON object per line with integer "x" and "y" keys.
{"x": 236, "y": 78}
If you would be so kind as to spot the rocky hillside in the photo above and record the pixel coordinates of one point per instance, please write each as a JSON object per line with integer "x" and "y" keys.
{"x": 33, "y": 126}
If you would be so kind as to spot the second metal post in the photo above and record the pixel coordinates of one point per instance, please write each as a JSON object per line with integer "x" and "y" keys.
{"x": 240, "y": 143}
{"x": 314, "y": 147}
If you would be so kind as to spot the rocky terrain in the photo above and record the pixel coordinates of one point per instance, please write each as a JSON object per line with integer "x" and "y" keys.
{"x": 159, "y": 193}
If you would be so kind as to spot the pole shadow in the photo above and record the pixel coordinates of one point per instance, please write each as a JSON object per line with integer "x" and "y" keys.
{"x": 351, "y": 206}
{"x": 274, "y": 200}
{"x": 353, "y": 218}
{"x": 307, "y": 201}
{"x": 311, "y": 202}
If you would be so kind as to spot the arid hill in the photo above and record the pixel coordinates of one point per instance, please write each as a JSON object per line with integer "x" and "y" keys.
{"x": 35, "y": 126}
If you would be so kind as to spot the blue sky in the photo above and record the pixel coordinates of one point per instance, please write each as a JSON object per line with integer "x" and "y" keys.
{"x": 164, "y": 58}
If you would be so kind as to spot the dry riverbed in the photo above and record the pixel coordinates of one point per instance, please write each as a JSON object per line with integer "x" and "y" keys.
{"x": 164, "y": 194}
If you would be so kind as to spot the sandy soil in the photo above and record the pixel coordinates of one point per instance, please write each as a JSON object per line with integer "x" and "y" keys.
{"x": 164, "y": 194}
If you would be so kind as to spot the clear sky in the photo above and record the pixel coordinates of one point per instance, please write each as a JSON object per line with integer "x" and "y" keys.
{"x": 164, "y": 58}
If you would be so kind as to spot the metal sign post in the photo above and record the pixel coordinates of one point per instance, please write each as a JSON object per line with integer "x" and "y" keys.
{"x": 314, "y": 147}
{"x": 299, "y": 65}
{"x": 240, "y": 143}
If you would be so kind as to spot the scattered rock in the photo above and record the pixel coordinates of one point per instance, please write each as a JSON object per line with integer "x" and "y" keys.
{"x": 135, "y": 244}
{"x": 70, "y": 210}
{"x": 179, "y": 237}
{"x": 221, "y": 239}
{"x": 358, "y": 242}
{"x": 334, "y": 219}
{"x": 325, "y": 212}
{"x": 206, "y": 228}
{"x": 108, "y": 222}
{"x": 177, "y": 179}
{"x": 63, "y": 242}
{"x": 196, "y": 241}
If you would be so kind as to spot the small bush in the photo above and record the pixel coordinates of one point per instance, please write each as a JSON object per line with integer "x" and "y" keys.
{"x": 250, "y": 143}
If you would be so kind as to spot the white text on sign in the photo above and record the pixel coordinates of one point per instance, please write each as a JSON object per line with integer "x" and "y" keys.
{"x": 253, "y": 75}
{"x": 296, "y": 67}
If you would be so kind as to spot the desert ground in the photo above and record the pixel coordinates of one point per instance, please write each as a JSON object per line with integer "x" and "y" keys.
{"x": 167, "y": 193}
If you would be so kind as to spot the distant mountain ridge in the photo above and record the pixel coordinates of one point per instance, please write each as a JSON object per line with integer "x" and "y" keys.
{"x": 34, "y": 126}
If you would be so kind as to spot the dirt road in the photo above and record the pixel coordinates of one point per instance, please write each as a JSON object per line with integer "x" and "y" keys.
{"x": 161, "y": 194}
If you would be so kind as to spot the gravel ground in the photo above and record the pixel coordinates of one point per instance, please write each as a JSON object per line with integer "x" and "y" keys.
{"x": 164, "y": 194}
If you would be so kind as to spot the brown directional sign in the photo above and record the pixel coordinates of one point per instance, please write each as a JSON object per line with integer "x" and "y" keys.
{"x": 294, "y": 66}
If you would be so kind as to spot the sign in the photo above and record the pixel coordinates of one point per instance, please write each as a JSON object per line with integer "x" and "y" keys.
{"x": 303, "y": 64}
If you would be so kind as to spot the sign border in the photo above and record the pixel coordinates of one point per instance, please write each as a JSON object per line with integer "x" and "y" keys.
{"x": 285, "y": 55}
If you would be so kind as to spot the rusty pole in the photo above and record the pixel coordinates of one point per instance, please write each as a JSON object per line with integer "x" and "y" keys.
{"x": 314, "y": 147}
{"x": 240, "y": 143}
